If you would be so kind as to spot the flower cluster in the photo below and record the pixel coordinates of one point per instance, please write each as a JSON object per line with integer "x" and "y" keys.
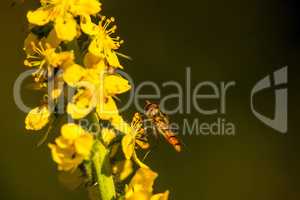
{"x": 73, "y": 51}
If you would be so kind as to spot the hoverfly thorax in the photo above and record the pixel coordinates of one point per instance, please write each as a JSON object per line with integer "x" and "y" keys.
{"x": 151, "y": 109}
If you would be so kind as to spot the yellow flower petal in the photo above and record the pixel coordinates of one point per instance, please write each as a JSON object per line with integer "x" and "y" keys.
{"x": 113, "y": 59}
{"x": 37, "y": 118}
{"x": 71, "y": 131}
{"x": 55, "y": 154}
{"x": 115, "y": 85}
{"x": 63, "y": 143}
{"x": 161, "y": 196}
{"x": 69, "y": 164}
{"x": 66, "y": 28}
{"x": 93, "y": 78}
{"x": 85, "y": 7}
{"x": 101, "y": 66}
{"x": 87, "y": 26}
{"x": 76, "y": 112}
{"x": 108, "y": 109}
{"x": 138, "y": 196}
{"x": 143, "y": 180}
{"x": 39, "y": 17}
{"x": 96, "y": 48}
{"x": 83, "y": 145}
{"x": 141, "y": 185}
{"x": 73, "y": 74}
{"x": 128, "y": 144}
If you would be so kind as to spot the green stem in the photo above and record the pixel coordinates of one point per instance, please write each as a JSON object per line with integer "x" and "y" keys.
{"x": 105, "y": 185}
{"x": 100, "y": 168}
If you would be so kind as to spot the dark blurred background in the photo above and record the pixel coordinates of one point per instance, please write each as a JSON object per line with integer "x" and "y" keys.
{"x": 220, "y": 40}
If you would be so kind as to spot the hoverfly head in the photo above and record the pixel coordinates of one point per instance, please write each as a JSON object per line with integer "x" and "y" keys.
{"x": 151, "y": 109}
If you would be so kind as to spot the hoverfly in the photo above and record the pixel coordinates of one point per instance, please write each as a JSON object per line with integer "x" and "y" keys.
{"x": 162, "y": 124}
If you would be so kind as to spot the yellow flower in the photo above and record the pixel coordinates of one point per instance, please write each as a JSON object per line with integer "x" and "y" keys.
{"x": 43, "y": 56}
{"x": 72, "y": 147}
{"x": 97, "y": 89}
{"x": 136, "y": 138}
{"x": 62, "y": 13}
{"x": 32, "y": 41}
{"x": 86, "y": 99}
{"x": 81, "y": 105}
{"x": 103, "y": 45}
{"x": 141, "y": 186}
{"x": 87, "y": 83}
{"x": 37, "y": 118}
